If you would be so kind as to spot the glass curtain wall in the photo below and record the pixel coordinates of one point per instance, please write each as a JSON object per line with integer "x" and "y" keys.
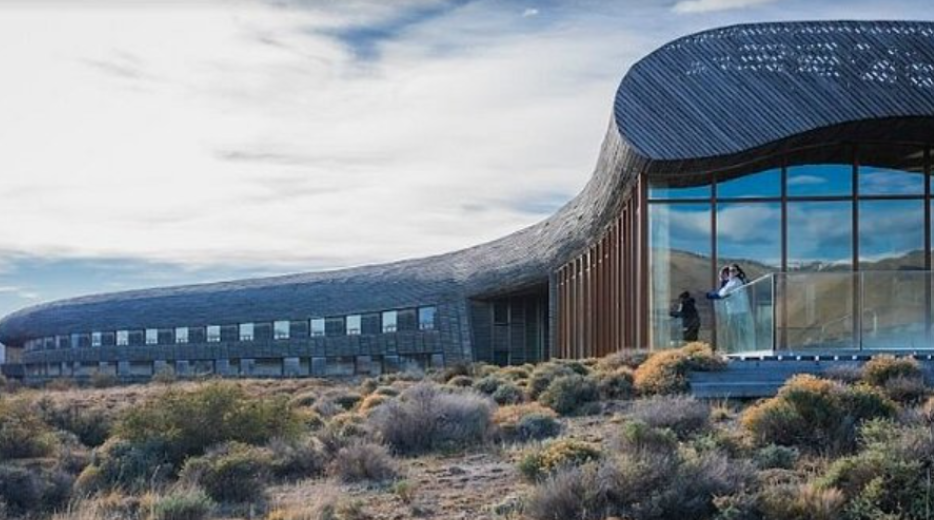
{"x": 859, "y": 215}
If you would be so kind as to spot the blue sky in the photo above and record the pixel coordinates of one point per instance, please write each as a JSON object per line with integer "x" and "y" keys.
{"x": 152, "y": 143}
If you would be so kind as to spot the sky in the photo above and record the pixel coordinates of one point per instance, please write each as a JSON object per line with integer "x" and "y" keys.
{"x": 154, "y": 143}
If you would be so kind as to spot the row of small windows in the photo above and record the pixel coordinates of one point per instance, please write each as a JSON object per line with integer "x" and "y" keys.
{"x": 386, "y": 322}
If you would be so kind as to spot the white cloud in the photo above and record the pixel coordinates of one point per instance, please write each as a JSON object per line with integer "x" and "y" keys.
{"x": 704, "y": 6}
{"x": 531, "y": 11}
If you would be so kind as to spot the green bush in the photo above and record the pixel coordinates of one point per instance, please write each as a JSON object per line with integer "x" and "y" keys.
{"x": 543, "y": 375}
{"x": 638, "y": 437}
{"x": 233, "y": 472}
{"x": 119, "y": 463}
{"x": 630, "y": 359}
{"x": 800, "y": 502}
{"x": 776, "y": 457}
{"x": 878, "y": 370}
{"x": 92, "y": 426}
{"x": 23, "y": 434}
{"x": 539, "y": 463}
{"x": 815, "y": 414}
{"x": 295, "y": 459}
{"x": 430, "y": 417}
{"x": 461, "y": 381}
{"x": 362, "y": 461}
{"x": 187, "y": 423}
{"x": 567, "y": 394}
{"x": 508, "y": 393}
{"x": 32, "y": 489}
{"x": 536, "y": 427}
{"x": 488, "y": 385}
{"x": 618, "y": 384}
{"x": 183, "y": 505}
{"x": 666, "y": 372}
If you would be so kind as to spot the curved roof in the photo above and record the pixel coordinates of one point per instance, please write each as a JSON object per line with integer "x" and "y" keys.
{"x": 711, "y": 94}
{"x": 727, "y": 90}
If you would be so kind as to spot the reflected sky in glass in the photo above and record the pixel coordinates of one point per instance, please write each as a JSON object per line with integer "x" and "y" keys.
{"x": 884, "y": 181}
{"x": 750, "y": 232}
{"x": 819, "y": 233}
{"x": 683, "y": 227}
{"x": 767, "y": 183}
{"x": 888, "y": 231}
{"x": 820, "y": 180}
{"x": 660, "y": 189}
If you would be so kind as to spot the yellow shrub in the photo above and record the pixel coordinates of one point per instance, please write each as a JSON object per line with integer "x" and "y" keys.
{"x": 666, "y": 372}
{"x": 880, "y": 369}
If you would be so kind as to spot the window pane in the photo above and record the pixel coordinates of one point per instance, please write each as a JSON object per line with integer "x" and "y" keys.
{"x": 389, "y": 321}
{"x": 213, "y": 333}
{"x": 680, "y": 260}
{"x": 317, "y": 327}
{"x": 152, "y": 336}
{"x": 353, "y": 325}
{"x": 370, "y": 324}
{"x": 820, "y": 236}
{"x": 281, "y": 329}
{"x": 426, "y": 318}
{"x": 123, "y": 337}
{"x": 75, "y": 340}
{"x": 750, "y": 234}
{"x": 891, "y": 170}
{"x": 181, "y": 335}
{"x": 766, "y": 183}
{"x": 668, "y": 187}
{"x": 820, "y": 180}
{"x": 96, "y": 339}
{"x": 891, "y": 234}
{"x": 408, "y": 320}
{"x": 335, "y": 326}
{"x": 246, "y": 332}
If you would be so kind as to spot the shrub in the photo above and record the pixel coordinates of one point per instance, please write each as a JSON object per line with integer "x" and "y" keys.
{"x": 346, "y": 400}
{"x": 388, "y": 391}
{"x": 515, "y": 373}
{"x": 815, "y": 414}
{"x": 776, "y": 457}
{"x": 848, "y": 373}
{"x": 508, "y": 393}
{"x": 568, "y": 494}
{"x": 638, "y": 437}
{"x": 31, "y": 489}
{"x": 371, "y": 401}
{"x": 23, "y": 435}
{"x": 878, "y": 370}
{"x": 666, "y": 372}
{"x": 543, "y": 375}
{"x": 296, "y": 459}
{"x": 461, "y": 381}
{"x": 507, "y": 420}
{"x": 683, "y": 415}
{"x": 183, "y": 505}
{"x": 123, "y": 464}
{"x": 363, "y": 461}
{"x": 567, "y": 394}
{"x": 233, "y": 472}
{"x": 618, "y": 384}
{"x": 630, "y": 359}
{"x": 488, "y": 385}
{"x": 91, "y": 425}
{"x": 165, "y": 376}
{"x": 801, "y": 502}
{"x": 427, "y": 418}
{"x": 186, "y": 423}
{"x": 303, "y": 399}
{"x": 340, "y": 431}
{"x": 60, "y": 384}
{"x": 103, "y": 380}
{"x": 906, "y": 389}
{"x": 539, "y": 463}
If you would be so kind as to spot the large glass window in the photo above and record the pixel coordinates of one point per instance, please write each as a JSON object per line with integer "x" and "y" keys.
{"x": 820, "y": 180}
{"x": 152, "y": 336}
{"x": 750, "y": 234}
{"x": 891, "y": 170}
{"x": 97, "y": 339}
{"x": 246, "y": 332}
{"x": 695, "y": 187}
{"x": 764, "y": 184}
{"x": 213, "y": 333}
{"x": 181, "y": 335}
{"x": 390, "y": 321}
{"x": 820, "y": 236}
{"x": 123, "y": 337}
{"x": 891, "y": 235}
{"x": 426, "y": 318}
{"x": 680, "y": 262}
{"x": 353, "y": 325}
{"x": 317, "y": 327}
{"x": 281, "y": 329}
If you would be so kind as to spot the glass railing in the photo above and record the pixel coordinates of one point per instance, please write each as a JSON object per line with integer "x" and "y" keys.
{"x": 828, "y": 312}
{"x": 745, "y": 318}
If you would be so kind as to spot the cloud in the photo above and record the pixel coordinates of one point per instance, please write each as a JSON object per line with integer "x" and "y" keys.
{"x": 704, "y": 6}
{"x": 529, "y": 12}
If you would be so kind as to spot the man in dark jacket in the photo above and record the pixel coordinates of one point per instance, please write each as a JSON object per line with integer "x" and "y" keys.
{"x": 690, "y": 319}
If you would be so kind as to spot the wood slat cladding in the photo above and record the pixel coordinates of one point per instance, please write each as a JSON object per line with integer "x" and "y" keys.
{"x": 600, "y": 297}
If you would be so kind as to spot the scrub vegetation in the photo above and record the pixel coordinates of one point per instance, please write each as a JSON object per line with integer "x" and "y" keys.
{"x": 611, "y": 438}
